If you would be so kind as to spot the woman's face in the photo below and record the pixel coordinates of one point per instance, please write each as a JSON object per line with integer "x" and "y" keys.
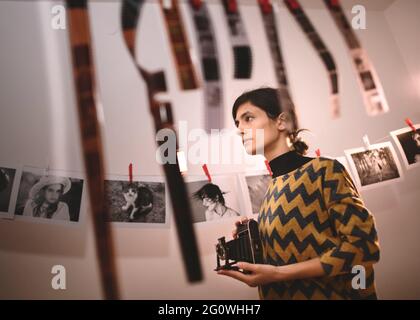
{"x": 257, "y": 130}
{"x": 53, "y": 193}
{"x": 209, "y": 203}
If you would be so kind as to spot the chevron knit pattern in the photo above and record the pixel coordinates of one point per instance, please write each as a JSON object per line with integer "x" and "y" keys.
{"x": 316, "y": 211}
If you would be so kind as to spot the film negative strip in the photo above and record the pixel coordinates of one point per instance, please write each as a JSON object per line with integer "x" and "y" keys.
{"x": 84, "y": 80}
{"x": 179, "y": 44}
{"x": 311, "y": 33}
{"x": 213, "y": 89}
{"x": 371, "y": 87}
{"x": 270, "y": 27}
{"x": 242, "y": 53}
{"x": 163, "y": 119}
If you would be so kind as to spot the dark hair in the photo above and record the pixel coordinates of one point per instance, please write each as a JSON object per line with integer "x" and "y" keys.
{"x": 268, "y": 99}
{"x": 210, "y": 191}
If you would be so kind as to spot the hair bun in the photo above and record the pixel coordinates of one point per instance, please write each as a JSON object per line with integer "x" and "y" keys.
{"x": 300, "y": 146}
{"x": 297, "y": 143}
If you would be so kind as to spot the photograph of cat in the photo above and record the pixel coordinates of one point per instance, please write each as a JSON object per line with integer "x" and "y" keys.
{"x": 139, "y": 200}
{"x": 136, "y": 201}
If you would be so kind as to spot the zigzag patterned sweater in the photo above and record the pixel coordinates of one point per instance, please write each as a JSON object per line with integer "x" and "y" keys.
{"x": 314, "y": 211}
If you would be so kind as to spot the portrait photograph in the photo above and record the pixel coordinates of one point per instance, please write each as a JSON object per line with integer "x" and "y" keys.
{"x": 49, "y": 196}
{"x": 215, "y": 200}
{"x": 408, "y": 145}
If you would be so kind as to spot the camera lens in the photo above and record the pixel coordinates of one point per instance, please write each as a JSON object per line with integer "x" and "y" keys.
{"x": 221, "y": 251}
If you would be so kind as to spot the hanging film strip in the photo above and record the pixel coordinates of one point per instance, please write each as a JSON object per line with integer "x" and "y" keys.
{"x": 84, "y": 80}
{"x": 313, "y": 36}
{"x": 163, "y": 119}
{"x": 206, "y": 40}
{"x": 270, "y": 27}
{"x": 242, "y": 53}
{"x": 179, "y": 45}
{"x": 371, "y": 87}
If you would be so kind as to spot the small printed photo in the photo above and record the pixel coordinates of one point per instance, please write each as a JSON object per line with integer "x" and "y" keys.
{"x": 236, "y": 26}
{"x": 408, "y": 144}
{"x": 367, "y": 80}
{"x": 201, "y": 22}
{"x": 52, "y": 196}
{"x": 7, "y": 182}
{"x": 216, "y": 200}
{"x": 207, "y": 45}
{"x": 375, "y": 166}
{"x": 257, "y": 188}
{"x": 136, "y": 202}
{"x": 212, "y": 93}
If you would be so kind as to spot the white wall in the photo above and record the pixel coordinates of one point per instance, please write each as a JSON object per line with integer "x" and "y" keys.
{"x": 38, "y": 116}
{"x": 403, "y": 20}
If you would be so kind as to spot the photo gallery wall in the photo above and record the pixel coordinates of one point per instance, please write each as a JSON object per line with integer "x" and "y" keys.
{"x": 56, "y": 196}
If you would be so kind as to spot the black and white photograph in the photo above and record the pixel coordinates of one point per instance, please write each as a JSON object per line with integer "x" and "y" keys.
{"x": 375, "y": 166}
{"x": 408, "y": 144}
{"x": 49, "y": 196}
{"x": 215, "y": 200}
{"x": 8, "y": 176}
{"x": 141, "y": 201}
{"x": 257, "y": 186}
{"x": 367, "y": 80}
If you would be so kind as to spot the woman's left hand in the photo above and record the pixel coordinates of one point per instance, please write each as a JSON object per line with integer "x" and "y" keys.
{"x": 260, "y": 273}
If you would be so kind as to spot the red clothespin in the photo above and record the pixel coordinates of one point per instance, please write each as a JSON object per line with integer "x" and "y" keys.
{"x": 266, "y": 6}
{"x": 318, "y": 153}
{"x": 196, "y": 4}
{"x": 268, "y": 167}
{"x": 410, "y": 124}
{"x": 335, "y": 3}
{"x": 130, "y": 173}
{"x": 232, "y": 6}
{"x": 293, "y": 4}
{"x": 206, "y": 171}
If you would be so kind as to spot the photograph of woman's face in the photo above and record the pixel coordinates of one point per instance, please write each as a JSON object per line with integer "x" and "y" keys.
{"x": 52, "y": 193}
{"x": 209, "y": 203}
{"x": 257, "y": 130}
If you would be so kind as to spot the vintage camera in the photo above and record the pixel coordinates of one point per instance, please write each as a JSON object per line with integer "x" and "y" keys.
{"x": 246, "y": 247}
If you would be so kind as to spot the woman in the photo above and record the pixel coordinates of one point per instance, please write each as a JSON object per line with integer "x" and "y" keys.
{"x": 213, "y": 200}
{"x": 45, "y": 197}
{"x": 313, "y": 223}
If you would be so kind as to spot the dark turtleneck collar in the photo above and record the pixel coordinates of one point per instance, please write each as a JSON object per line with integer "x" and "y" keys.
{"x": 287, "y": 162}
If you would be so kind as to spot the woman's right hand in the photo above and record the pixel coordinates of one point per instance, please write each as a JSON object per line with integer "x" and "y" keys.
{"x": 237, "y": 224}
